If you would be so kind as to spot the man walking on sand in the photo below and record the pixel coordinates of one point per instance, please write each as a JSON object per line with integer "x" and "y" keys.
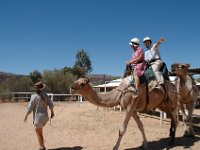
{"x": 38, "y": 105}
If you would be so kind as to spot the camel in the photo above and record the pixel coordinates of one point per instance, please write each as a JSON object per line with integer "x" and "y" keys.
{"x": 132, "y": 103}
{"x": 187, "y": 95}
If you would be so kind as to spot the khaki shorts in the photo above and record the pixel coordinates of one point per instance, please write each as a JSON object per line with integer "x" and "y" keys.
{"x": 40, "y": 121}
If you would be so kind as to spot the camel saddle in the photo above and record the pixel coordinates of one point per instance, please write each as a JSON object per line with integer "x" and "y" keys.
{"x": 149, "y": 77}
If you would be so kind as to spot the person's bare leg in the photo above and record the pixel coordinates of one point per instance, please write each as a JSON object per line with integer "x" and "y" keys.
{"x": 40, "y": 137}
{"x": 137, "y": 82}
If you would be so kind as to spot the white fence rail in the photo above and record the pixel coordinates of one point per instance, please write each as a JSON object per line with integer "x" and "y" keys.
{"x": 16, "y": 96}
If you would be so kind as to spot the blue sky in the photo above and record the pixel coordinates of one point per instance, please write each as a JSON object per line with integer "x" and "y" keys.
{"x": 46, "y": 34}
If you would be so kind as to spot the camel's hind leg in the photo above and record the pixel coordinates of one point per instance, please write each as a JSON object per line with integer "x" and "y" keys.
{"x": 140, "y": 126}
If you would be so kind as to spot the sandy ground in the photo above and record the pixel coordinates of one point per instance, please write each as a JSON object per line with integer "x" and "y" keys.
{"x": 84, "y": 127}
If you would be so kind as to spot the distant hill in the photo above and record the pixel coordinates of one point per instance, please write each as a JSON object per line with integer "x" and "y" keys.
{"x": 96, "y": 79}
{"x": 4, "y": 76}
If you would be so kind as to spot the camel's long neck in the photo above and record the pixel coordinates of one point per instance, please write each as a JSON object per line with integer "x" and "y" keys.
{"x": 108, "y": 99}
{"x": 184, "y": 86}
{"x": 182, "y": 83}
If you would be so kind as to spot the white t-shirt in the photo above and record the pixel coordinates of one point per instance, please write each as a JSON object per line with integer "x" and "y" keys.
{"x": 152, "y": 53}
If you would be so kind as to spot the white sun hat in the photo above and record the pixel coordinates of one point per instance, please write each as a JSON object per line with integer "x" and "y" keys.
{"x": 134, "y": 42}
{"x": 146, "y": 39}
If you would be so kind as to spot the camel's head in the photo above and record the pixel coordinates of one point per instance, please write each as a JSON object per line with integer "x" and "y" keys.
{"x": 79, "y": 85}
{"x": 180, "y": 69}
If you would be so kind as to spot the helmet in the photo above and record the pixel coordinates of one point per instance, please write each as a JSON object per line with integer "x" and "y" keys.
{"x": 146, "y": 39}
{"x": 135, "y": 42}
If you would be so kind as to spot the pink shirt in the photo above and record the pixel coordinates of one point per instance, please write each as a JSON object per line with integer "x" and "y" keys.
{"x": 140, "y": 66}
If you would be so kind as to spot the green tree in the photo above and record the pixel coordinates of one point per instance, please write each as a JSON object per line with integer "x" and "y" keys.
{"x": 36, "y": 76}
{"x": 76, "y": 71}
{"x": 57, "y": 81}
{"x": 83, "y": 61}
{"x": 21, "y": 84}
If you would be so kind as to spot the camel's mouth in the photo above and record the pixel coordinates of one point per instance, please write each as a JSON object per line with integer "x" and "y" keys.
{"x": 173, "y": 67}
{"x": 173, "y": 70}
{"x": 77, "y": 86}
{"x": 73, "y": 91}
{"x": 73, "y": 88}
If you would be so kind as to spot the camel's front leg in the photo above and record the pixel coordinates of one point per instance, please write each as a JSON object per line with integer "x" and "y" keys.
{"x": 129, "y": 111}
{"x": 189, "y": 130}
{"x": 140, "y": 126}
{"x": 184, "y": 116}
{"x": 123, "y": 128}
{"x": 173, "y": 116}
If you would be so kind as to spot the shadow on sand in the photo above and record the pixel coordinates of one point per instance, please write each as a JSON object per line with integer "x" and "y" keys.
{"x": 68, "y": 148}
{"x": 162, "y": 143}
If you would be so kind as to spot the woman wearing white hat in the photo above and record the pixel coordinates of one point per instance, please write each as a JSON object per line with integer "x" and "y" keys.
{"x": 137, "y": 61}
{"x": 152, "y": 56}
{"x": 38, "y": 105}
